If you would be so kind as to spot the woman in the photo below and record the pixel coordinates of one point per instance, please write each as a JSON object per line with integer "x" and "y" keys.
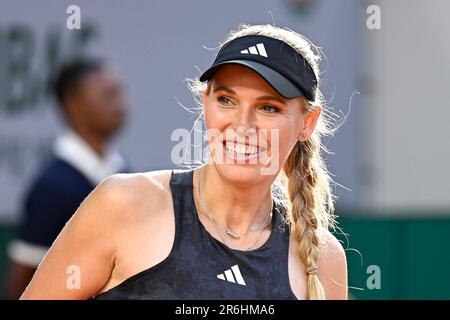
{"x": 227, "y": 229}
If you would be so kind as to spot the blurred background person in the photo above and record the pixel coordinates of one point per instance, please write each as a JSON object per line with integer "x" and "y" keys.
{"x": 91, "y": 101}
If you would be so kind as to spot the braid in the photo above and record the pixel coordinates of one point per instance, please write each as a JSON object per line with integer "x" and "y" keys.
{"x": 303, "y": 171}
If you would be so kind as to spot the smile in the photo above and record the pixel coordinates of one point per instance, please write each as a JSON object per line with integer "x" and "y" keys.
{"x": 242, "y": 151}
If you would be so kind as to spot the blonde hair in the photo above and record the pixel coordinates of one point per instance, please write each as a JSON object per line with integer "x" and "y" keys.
{"x": 303, "y": 187}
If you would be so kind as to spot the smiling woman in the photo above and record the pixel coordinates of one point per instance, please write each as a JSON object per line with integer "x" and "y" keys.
{"x": 243, "y": 105}
{"x": 230, "y": 228}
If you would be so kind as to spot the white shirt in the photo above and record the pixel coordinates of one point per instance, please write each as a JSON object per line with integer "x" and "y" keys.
{"x": 71, "y": 148}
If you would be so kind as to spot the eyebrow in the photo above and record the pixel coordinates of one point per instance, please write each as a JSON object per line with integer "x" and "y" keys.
{"x": 267, "y": 97}
{"x": 223, "y": 88}
{"x": 271, "y": 98}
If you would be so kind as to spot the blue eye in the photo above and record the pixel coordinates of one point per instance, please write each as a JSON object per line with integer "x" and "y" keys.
{"x": 268, "y": 108}
{"x": 224, "y": 100}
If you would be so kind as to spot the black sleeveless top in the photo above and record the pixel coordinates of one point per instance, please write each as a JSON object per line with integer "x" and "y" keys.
{"x": 201, "y": 267}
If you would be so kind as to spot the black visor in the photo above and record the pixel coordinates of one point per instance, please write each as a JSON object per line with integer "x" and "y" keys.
{"x": 278, "y": 63}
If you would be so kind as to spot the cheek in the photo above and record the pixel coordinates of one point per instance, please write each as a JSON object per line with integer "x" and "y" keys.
{"x": 282, "y": 136}
{"x": 215, "y": 119}
{"x": 215, "y": 124}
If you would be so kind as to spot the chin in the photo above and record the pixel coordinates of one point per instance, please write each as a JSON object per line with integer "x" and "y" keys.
{"x": 240, "y": 173}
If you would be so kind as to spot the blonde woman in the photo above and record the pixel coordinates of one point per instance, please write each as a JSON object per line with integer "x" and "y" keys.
{"x": 226, "y": 229}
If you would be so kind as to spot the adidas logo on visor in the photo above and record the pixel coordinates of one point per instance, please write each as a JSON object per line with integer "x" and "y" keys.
{"x": 259, "y": 50}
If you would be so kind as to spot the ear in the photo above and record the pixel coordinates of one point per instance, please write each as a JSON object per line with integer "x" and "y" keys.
{"x": 310, "y": 118}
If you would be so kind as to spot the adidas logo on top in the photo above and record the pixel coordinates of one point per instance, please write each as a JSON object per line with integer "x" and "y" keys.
{"x": 259, "y": 50}
{"x": 232, "y": 275}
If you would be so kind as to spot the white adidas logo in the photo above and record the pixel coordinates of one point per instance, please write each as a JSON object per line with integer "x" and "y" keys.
{"x": 259, "y": 50}
{"x": 229, "y": 275}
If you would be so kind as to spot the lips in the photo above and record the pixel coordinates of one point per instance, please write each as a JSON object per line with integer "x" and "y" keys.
{"x": 241, "y": 149}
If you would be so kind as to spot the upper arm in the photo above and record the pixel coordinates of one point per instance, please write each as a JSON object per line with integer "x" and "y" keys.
{"x": 333, "y": 268}
{"x": 81, "y": 259}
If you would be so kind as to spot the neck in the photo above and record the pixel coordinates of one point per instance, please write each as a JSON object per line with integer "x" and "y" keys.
{"x": 96, "y": 141}
{"x": 237, "y": 206}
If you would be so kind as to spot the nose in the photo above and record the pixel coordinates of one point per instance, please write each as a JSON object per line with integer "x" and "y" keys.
{"x": 244, "y": 126}
{"x": 245, "y": 120}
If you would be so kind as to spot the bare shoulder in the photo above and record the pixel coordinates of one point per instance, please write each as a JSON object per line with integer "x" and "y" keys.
{"x": 124, "y": 200}
{"x": 132, "y": 186}
{"x": 131, "y": 190}
{"x": 120, "y": 203}
{"x": 330, "y": 245}
{"x": 332, "y": 266}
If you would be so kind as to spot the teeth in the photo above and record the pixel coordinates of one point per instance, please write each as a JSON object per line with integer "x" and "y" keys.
{"x": 241, "y": 148}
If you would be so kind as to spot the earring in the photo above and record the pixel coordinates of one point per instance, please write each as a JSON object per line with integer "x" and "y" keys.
{"x": 303, "y": 135}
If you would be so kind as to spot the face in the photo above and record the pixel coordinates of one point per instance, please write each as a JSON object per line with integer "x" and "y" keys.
{"x": 99, "y": 103}
{"x": 250, "y": 120}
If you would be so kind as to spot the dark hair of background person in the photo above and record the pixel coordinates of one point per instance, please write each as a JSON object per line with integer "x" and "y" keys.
{"x": 71, "y": 74}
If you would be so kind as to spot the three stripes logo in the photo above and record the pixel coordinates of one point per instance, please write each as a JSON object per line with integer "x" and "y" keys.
{"x": 232, "y": 275}
{"x": 259, "y": 50}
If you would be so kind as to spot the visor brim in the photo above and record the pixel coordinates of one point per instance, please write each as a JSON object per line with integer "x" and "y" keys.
{"x": 275, "y": 79}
